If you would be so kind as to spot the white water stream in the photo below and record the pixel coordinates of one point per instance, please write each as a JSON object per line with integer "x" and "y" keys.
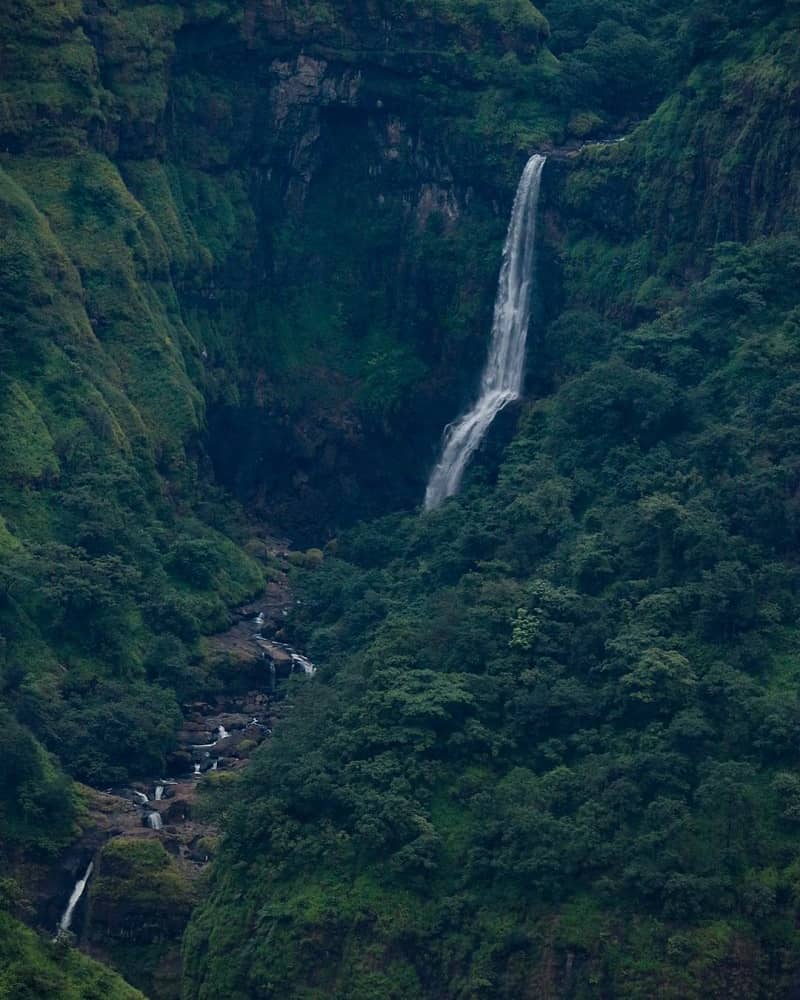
{"x": 65, "y": 922}
{"x": 154, "y": 821}
{"x": 503, "y": 375}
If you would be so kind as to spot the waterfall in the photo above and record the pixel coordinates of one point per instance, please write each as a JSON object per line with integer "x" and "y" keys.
{"x": 222, "y": 733}
{"x": 154, "y": 821}
{"x": 502, "y": 377}
{"x": 306, "y": 664}
{"x": 141, "y": 798}
{"x": 65, "y": 922}
{"x": 159, "y": 793}
{"x": 196, "y": 768}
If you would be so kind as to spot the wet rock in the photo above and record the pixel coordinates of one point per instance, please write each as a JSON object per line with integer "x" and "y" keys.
{"x": 226, "y": 747}
{"x": 172, "y": 844}
{"x": 230, "y": 721}
{"x": 178, "y": 811}
{"x": 279, "y": 656}
{"x": 193, "y": 726}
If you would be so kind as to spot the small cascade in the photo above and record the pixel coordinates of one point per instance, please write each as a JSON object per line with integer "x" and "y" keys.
{"x": 141, "y": 798}
{"x": 154, "y": 821}
{"x": 65, "y": 922}
{"x": 222, "y": 733}
{"x": 303, "y": 662}
{"x": 503, "y": 374}
{"x": 159, "y": 793}
{"x": 215, "y": 765}
{"x": 196, "y": 768}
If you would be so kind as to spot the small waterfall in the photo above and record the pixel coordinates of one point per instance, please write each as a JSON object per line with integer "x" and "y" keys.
{"x": 141, "y": 798}
{"x": 215, "y": 765}
{"x": 159, "y": 793}
{"x": 65, "y": 922}
{"x": 196, "y": 768}
{"x": 154, "y": 821}
{"x": 304, "y": 663}
{"x": 222, "y": 733}
{"x": 502, "y": 377}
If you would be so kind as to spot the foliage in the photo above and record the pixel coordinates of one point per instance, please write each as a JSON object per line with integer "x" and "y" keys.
{"x": 551, "y": 726}
{"x": 554, "y": 724}
{"x": 31, "y": 968}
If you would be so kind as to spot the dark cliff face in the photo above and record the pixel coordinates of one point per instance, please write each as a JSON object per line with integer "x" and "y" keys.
{"x": 321, "y": 191}
{"x": 376, "y": 219}
{"x": 325, "y": 188}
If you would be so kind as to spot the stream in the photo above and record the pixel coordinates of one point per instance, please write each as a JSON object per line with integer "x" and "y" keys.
{"x": 211, "y": 738}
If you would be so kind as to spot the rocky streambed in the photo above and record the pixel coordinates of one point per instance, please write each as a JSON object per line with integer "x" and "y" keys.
{"x": 126, "y": 887}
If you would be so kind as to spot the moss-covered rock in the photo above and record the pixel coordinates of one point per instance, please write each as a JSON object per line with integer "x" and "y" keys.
{"x": 139, "y": 904}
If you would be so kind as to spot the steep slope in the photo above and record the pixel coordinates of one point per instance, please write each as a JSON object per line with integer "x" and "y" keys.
{"x": 195, "y": 198}
{"x": 31, "y": 968}
{"x": 171, "y": 181}
{"x": 110, "y": 540}
{"x": 549, "y": 749}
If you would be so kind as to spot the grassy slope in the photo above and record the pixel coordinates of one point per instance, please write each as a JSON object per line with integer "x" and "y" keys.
{"x": 32, "y": 968}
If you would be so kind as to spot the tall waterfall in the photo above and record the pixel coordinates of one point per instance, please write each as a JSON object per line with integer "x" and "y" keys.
{"x": 65, "y": 922}
{"x": 502, "y": 377}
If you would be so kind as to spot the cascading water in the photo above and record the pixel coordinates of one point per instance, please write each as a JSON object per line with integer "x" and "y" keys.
{"x": 65, "y": 922}
{"x": 154, "y": 821}
{"x": 303, "y": 662}
{"x": 502, "y": 377}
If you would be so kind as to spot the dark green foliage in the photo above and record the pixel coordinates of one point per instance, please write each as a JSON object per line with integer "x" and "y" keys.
{"x": 32, "y": 968}
{"x": 551, "y": 749}
{"x": 115, "y": 551}
{"x": 551, "y": 729}
{"x": 37, "y": 807}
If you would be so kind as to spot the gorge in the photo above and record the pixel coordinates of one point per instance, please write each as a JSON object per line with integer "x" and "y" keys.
{"x": 272, "y": 730}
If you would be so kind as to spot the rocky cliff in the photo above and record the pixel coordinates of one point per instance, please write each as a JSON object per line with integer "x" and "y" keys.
{"x": 268, "y": 162}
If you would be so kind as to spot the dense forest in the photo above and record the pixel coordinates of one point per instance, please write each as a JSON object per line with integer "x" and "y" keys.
{"x": 248, "y": 255}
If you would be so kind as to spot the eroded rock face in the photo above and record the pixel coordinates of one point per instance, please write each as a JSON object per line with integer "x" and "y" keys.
{"x": 348, "y": 128}
{"x": 310, "y": 173}
{"x": 140, "y": 899}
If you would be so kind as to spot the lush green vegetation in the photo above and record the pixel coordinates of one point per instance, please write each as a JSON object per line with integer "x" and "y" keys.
{"x": 32, "y": 968}
{"x": 551, "y": 747}
{"x": 116, "y": 553}
{"x": 140, "y": 902}
{"x": 550, "y": 750}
